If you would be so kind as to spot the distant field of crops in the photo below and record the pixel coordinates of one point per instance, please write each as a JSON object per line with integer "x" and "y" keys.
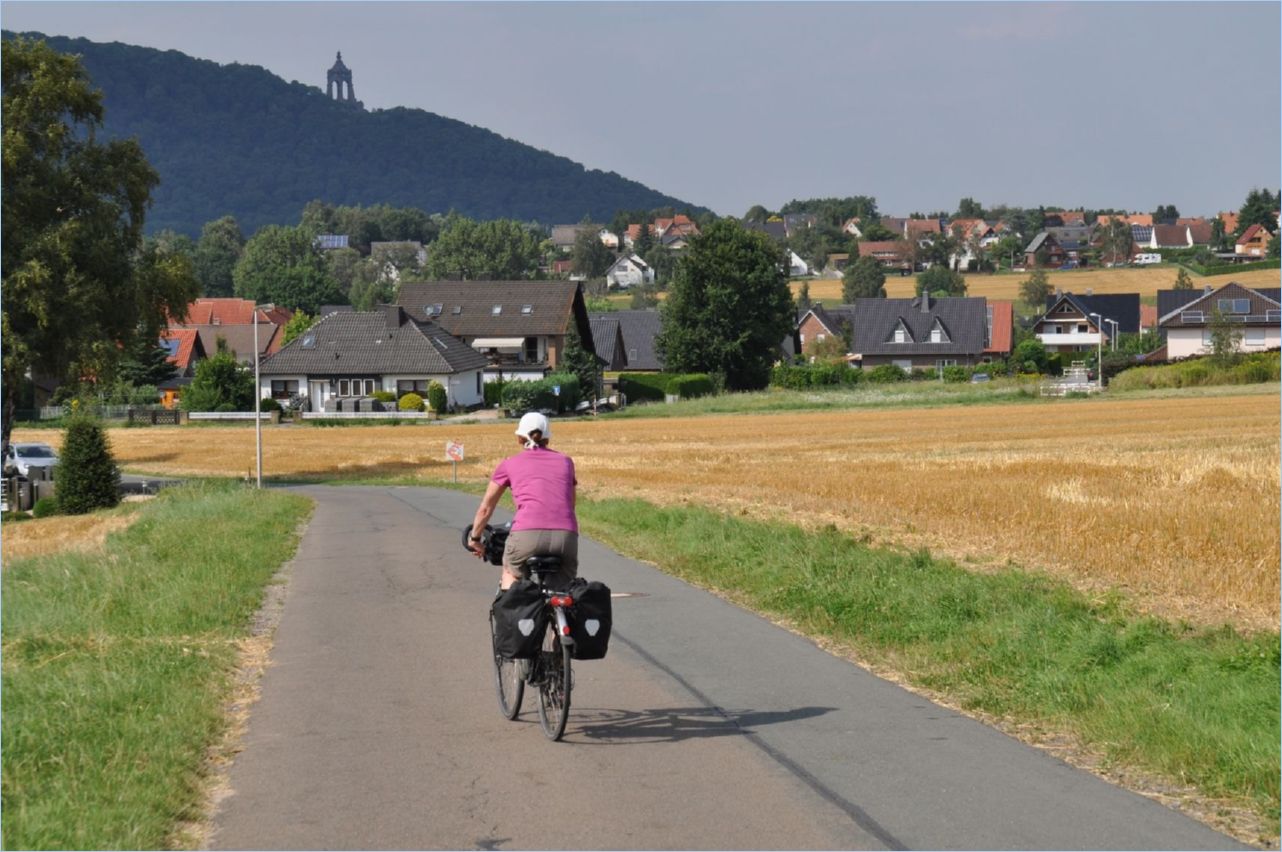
{"x": 1145, "y": 281}
{"x": 1173, "y": 499}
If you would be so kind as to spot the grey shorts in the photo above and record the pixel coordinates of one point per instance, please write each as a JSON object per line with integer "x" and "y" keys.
{"x": 523, "y": 544}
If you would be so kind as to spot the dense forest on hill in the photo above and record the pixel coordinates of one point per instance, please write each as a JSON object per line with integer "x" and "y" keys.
{"x": 235, "y": 139}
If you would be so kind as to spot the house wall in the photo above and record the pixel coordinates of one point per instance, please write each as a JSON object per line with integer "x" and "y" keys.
{"x": 918, "y": 362}
{"x": 810, "y": 332}
{"x": 1186, "y": 342}
{"x": 461, "y": 389}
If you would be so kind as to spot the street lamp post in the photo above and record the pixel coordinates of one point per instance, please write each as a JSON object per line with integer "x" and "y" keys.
{"x": 1112, "y": 338}
{"x": 258, "y": 404}
{"x": 1099, "y": 351}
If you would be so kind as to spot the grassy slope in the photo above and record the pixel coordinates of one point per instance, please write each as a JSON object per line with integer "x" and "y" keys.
{"x": 116, "y": 666}
{"x": 1201, "y": 706}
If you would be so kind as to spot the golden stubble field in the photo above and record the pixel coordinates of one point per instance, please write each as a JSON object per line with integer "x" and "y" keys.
{"x": 1174, "y": 500}
{"x": 1144, "y": 281}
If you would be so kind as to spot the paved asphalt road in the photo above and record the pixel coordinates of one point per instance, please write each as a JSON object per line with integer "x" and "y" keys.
{"x": 705, "y": 728}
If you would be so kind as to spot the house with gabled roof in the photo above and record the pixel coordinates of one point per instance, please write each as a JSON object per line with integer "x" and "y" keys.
{"x": 920, "y": 333}
{"x": 922, "y": 230}
{"x": 1229, "y": 218}
{"x": 564, "y": 236}
{"x": 629, "y": 270}
{"x": 1187, "y": 315}
{"x": 607, "y": 339}
{"x": 522, "y": 327}
{"x": 1064, "y": 218}
{"x": 1170, "y": 236}
{"x": 638, "y": 330}
{"x": 184, "y": 351}
{"x": 820, "y": 324}
{"x": 1254, "y": 242}
{"x": 892, "y": 254}
{"x": 1075, "y": 323}
{"x": 347, "y": 356}
{"x": 1046, "y": 245}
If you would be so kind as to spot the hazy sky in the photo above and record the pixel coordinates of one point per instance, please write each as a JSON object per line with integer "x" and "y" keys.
{"x": 1125, "y": 105}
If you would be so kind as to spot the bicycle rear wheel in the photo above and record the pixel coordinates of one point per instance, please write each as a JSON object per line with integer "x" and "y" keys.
{"x": 555, "y": 685}
{"x": 509, "y": 684}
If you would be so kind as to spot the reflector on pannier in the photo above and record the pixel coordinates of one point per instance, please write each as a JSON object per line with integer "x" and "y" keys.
{"x": 590, "y": 618}
{"x": 520, "y": 621}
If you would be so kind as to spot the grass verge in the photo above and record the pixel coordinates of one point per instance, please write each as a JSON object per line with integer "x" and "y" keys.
{"x": 117, "y": 664}
{"x": 1200, "y": 706}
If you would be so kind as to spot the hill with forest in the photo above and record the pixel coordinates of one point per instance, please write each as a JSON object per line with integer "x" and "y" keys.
{"x": 236, "y": 139}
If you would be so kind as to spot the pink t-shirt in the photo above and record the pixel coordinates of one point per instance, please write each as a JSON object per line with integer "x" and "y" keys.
{"x": 542, "y": 483}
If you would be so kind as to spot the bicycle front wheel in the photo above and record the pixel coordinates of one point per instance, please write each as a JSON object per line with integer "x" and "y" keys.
{"x": 555, "y": 685}
{"x": 509, "y": 682}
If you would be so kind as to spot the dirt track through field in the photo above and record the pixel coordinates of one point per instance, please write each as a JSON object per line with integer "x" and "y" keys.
{"x": 1175, "y": 500}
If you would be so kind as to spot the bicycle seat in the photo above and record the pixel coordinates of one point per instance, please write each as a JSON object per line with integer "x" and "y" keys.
{"x": 543, "y": 564}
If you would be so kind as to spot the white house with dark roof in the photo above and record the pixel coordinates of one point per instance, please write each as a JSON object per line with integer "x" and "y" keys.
{"x": 347, "y": 356}
{"x": 629, "y": 271}
{"x": 1186, "y": 317}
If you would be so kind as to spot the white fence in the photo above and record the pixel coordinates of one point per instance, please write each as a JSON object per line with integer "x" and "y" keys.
{"x": 229, "y": 415}
{"x": 368, "y": 415}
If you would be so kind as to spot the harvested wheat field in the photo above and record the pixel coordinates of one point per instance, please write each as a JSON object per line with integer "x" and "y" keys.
{"x": 1146, "y": 282}
{"x": 1174, "y": 500}
{"x": 62, "y": 532}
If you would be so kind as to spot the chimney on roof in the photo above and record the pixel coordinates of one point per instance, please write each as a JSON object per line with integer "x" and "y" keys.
{"x": 1206, "y": 289}
{"x": 925, "y": 302}
{"x": 1090, "y": 291}
{"x": 393, "y": 316}
{"x": 1059, "y": 291}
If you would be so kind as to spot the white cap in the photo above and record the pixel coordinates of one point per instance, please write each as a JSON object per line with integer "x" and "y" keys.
{"x": 533, "y": 422}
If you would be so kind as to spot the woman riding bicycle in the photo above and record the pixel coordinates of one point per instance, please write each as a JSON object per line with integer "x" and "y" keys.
{"x": 542, "y": 483}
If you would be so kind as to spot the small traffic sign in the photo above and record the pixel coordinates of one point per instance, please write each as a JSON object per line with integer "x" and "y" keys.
{"x": 453, "y": 451}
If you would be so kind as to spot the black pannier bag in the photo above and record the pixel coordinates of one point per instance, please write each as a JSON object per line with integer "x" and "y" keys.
{"x": 590, "y": 618}
{"x": 520, "y": 620}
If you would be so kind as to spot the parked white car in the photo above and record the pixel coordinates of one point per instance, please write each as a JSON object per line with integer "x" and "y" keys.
{"x": 23, "y": 457}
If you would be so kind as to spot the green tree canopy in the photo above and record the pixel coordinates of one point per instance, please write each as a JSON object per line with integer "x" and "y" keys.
{"x": 73, "y": 212}
{"x": 590, "y": 256}
{"x": 728, "y": 307}
{"x": 863, "y": 279}
{"x": 969, "y": 208}
{"x": 283, "y": 266}
{"x": 145, "y": 363}
{"x": 498, "y": 250}
{"x": 1182, "y": 280}
{"x": 298, "y": 323}
{"x": 220, "y": 384}
{"x": 1258, "y": 209}
{"x": 941, "y": 279}
{"x": 220, "y": 246}
{"x": 1035, "y": 289}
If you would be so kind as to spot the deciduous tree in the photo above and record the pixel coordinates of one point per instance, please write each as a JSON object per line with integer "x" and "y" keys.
{"x": 728, "y": 307}
{"x": 1182, "y": 280}
{"x": 298, "y": 323}
{"x": 863, "y": 279}
{"x": 590, "y": 256}
{"x": 73, "y": 212}
{"x": 282, "y": 265}
{"x": 941, "y": 279}
{"x": 484, "y": 251}
{"x": 1035, "y": 289}
{"x": 217, "y": 251}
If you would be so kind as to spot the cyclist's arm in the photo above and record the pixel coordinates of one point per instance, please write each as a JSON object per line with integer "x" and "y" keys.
{"x": 489, "y": 503}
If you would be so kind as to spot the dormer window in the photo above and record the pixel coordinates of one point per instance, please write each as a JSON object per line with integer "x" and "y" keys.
{"x": 901, "y": 334}
{"x": 939, "y": 334}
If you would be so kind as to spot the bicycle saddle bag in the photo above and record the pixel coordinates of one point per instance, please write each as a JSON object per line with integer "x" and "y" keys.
{"x": 590, "y": 618}
{"x": 520, "y": 619}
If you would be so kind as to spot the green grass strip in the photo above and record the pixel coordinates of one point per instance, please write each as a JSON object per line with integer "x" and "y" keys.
{"x": 117, "y": 666}
{"x": 1194, "y": 704}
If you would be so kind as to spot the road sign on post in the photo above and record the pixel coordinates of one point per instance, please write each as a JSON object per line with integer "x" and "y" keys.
{"x": 454, "y": 452}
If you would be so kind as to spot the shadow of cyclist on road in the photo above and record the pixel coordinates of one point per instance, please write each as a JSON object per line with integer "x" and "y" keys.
{"x": 673, "y": 724}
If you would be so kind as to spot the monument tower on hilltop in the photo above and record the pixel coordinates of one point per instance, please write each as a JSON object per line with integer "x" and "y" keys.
{"x": 341, "y": 74}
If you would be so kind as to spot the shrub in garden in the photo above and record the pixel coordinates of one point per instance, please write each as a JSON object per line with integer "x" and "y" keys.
{"x": 87, "y": 475}
{"x": 638, "y": 387}
{"x": 885, "y": 374}
{"x": 494, "y": 393}
{"x": 269, "y": 404}
{"x": 436, "y": 397}
{"x": 691, "y": 385}
{"x": 410, "y": 402}
{"x": 384, "y": 396}
{"x": 45, "y": 507}
{"x": 956, "y": 373}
